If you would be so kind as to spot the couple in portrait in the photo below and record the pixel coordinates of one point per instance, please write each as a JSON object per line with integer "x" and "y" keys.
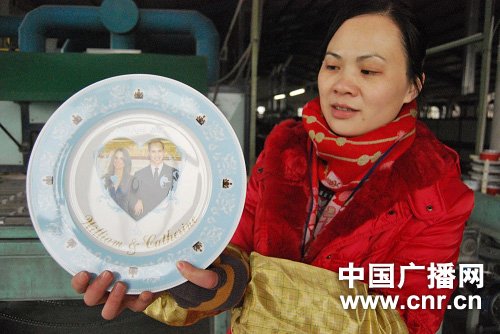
{"x": 140, "y": 193}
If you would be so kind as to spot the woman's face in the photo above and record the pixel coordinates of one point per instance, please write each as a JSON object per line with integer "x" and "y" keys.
{"x": 363, "y": 79}
{"x": 118, "y": 160}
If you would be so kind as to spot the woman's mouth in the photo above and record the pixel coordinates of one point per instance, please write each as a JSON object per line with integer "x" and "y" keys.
{"x": 343, "y": 111}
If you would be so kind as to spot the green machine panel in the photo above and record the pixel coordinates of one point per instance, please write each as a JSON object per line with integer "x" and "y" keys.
{"x": 57, "y": 76}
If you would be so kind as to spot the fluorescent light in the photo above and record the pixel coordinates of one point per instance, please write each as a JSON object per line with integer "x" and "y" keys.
{"x": 297, "y": 92}
{"x": 261, "y": 110}
{"x": 279, "y": 96}
{"x": 299, "y": 112}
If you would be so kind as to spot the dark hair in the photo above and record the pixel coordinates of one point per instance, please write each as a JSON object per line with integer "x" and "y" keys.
{"x": 111, "y": 167}
{"x": 413, "y": 35}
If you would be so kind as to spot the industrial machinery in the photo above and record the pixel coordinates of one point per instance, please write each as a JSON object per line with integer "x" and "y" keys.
{"x": 480, "y": 245}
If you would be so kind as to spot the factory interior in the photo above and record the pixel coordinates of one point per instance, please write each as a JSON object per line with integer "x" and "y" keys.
{"x": 258, "y": 61}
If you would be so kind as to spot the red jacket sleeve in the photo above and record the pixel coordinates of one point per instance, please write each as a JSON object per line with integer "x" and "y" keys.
{"x": 438, "y": 242}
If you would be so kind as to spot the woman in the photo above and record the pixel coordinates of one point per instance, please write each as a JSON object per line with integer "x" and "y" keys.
{"x": 117, "y": 179}
{"x": 358, "y": 182}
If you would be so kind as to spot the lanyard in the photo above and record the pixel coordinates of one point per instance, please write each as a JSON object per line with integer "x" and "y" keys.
{"x": 370, "y": 171}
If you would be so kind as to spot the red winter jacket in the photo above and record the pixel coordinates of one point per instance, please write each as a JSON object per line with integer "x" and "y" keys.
{"x": 413, "y": 212}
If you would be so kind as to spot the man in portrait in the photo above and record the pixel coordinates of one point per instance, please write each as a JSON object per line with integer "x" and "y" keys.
{"x": 152, "y": 184}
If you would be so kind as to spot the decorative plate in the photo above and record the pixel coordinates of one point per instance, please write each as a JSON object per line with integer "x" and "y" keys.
{"x": 479, "y": 177}
{"x": 475, "y": 158}
{"x": 492, "y": 169}
{"x": 133, "y": 174}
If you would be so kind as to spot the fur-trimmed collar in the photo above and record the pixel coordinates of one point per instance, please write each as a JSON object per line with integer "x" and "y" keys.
{"x": 422, "y": 165}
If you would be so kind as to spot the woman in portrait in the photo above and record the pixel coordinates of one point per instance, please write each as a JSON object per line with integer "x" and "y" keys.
{"x": 117, "y": 179}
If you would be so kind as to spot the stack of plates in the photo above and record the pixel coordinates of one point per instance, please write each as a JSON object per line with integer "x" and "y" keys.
{"x": 488, "y": 170}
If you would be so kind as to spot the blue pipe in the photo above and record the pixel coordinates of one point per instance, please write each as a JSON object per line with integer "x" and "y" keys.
{"x": 9, "y": 25}
{"x": 38, "y": 21}
{"x": 186, "y": 21}
{"x": 120, "y": 18}
{"x": 122, "y": 41}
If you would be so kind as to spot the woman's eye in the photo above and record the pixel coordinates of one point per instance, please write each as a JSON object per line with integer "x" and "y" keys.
{"x": 368, "y": 72}
{"x": 332, "y": 67}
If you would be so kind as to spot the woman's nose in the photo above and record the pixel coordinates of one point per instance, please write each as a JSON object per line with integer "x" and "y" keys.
{"x": 344, "y": 83}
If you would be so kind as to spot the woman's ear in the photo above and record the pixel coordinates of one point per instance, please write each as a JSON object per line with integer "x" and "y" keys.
{"x": 420, "y": 83}
{"x": 415, "y": 89}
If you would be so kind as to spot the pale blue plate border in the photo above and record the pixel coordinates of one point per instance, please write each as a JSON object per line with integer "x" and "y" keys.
{"x": 48, "y": 206}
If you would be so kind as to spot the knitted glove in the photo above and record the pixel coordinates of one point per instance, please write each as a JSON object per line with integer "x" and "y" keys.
{"x": 233, "y": 273}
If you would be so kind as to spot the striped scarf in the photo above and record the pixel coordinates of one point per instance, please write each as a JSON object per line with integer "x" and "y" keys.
{"x": 340, "y": 163}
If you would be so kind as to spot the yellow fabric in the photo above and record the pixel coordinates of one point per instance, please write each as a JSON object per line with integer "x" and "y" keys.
{"x": 166, "y": 310}
{"x": 290, "y": 297}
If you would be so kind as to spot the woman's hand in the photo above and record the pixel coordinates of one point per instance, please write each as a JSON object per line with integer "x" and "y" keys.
{"x": 204, "y": 278}
{"x": 117, "y": 300}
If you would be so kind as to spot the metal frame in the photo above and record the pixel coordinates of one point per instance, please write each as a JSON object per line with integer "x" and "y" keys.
{"x": 485, "y": 38}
